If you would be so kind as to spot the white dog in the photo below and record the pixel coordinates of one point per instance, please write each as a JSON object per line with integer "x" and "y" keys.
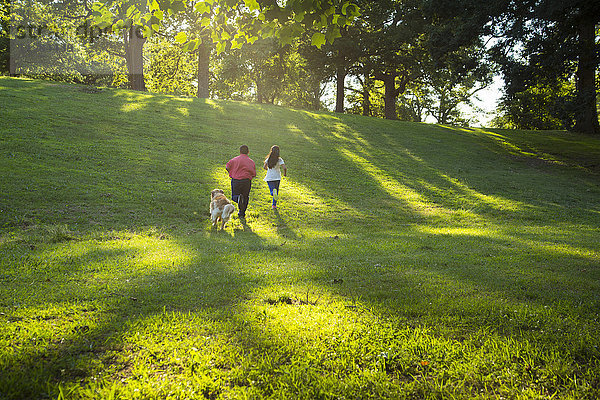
{"x": 220, "y": 208}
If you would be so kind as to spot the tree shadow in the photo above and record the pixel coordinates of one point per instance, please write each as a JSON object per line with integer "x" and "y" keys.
{"x": 205, "y": 277}
{"x": 283, "y": 229}
{"x": 210, "y": 277}
{"x": 455, "y": 182}
{"x": 71, "y": 327}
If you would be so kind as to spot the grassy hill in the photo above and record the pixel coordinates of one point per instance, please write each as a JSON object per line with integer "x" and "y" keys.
{"x": 405, "y": 260}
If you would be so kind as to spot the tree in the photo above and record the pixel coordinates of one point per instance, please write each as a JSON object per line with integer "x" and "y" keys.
{"x": 304, "y": 79}
{"x": 543, "y": 106}
{"x": 416, "y": 102}
{"x": 333, "y": 61}
{"x": 267, "y": 72}
{"x": 548, "y": 41}
{"x": 284, "y": 20}
{"x": 66, "y": 46}
{"x": 343, "y": 53}
{"x": 49, "y": 40}
{"x": 133, "y": 43}
{"x": 124, "y": 17}
{"x": 454, "y": 80}
{"x": 199, "y": 22}
{"x": 169, "y": 69}
{"x": 423, "y": 58}
{"x": 203, "y": 72}
{"x": 361, "y": 99}
{"x": 269, "y": 18}
{"x": 316, "y": 70}
{"x": 267, "y": 69}
{"x": 410, "y": 41}
{"x": 391, "y": 33}
{"x": 4, "y": 38}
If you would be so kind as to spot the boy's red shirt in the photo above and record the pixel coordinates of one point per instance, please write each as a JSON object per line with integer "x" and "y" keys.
{"x": 241, "y": 167}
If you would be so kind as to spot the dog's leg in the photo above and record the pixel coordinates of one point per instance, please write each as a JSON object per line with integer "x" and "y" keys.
{"x": 214, "y": 217}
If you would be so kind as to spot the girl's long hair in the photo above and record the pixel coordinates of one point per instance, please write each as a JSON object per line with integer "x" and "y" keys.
{"x": 273, "y": 157}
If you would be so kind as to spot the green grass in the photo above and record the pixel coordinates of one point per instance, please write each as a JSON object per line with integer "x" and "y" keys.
{"x": 405, "y": 260}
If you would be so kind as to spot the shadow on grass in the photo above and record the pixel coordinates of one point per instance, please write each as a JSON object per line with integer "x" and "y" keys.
{"x": 377, "y": 294}
{"x": 161, "y": 166}
{"x": 391, "y": 202}
{"x": 77, "y": 321}
{"x": 283, "y": 229}
{"x": 453, "y": 184}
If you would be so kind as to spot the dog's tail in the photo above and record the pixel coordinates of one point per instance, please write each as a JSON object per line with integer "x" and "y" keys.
{"x": 227, "y": 211}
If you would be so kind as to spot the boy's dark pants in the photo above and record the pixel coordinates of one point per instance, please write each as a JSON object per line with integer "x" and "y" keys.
{"x": 240, "y": 193}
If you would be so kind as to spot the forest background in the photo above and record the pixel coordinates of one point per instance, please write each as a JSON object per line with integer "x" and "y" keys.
{"x": 413, "y": 60}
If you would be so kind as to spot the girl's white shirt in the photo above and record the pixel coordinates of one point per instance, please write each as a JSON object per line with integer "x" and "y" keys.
{"x": 274, "y": 174}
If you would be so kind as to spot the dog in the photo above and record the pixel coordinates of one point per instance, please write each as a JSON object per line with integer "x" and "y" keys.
{"x": 220, "y": 208}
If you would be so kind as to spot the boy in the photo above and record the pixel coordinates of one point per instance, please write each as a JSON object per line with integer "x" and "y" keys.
{"x": 241, "y": 171}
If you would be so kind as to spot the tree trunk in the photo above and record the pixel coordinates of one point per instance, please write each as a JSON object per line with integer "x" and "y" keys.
{"x": 316, "y": 96}
{"x": 134, "y": 44}
{"x": 259, "y": 92}
{"x": 391, "y": 93}
{"x": 366, "y": 103}
{"x": 339, "y": 98}
{"x": 366, "y": 100}
{"x": 586, "y": 117}
{"x": 203, "y": 71}
{"x": 442, "y": 117}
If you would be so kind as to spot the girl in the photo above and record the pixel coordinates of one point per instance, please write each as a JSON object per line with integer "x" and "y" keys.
{"x": 274, "y": 165}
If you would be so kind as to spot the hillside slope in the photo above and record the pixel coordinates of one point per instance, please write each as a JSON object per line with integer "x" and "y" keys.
{"x": 117, "y": 158}
{"x": 405, "y": 261}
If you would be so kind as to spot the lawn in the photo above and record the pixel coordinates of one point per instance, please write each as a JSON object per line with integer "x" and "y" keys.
{"x": 405, "y": 260}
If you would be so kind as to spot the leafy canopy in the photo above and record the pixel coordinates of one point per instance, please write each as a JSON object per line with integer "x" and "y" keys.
{"x": 285, "y": 20}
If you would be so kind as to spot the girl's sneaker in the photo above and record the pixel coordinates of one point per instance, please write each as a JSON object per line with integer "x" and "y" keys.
{"x": 274, "y": 207}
